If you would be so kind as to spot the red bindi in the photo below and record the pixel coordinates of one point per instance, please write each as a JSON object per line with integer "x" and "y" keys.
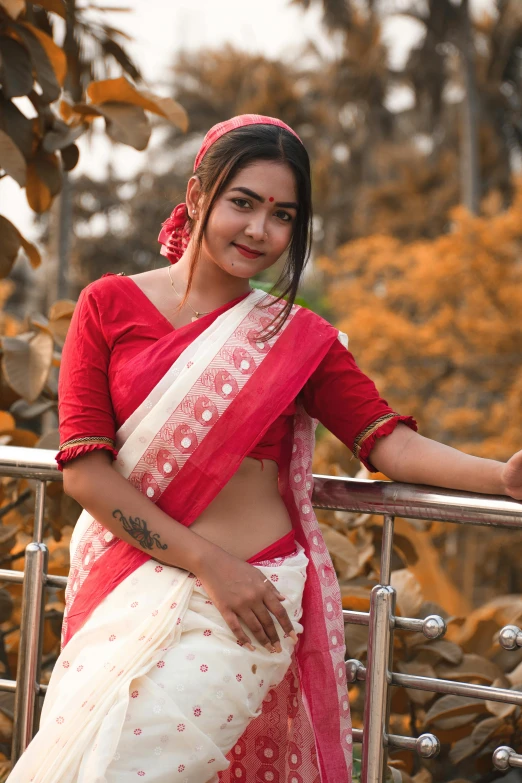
{"x": 271, "y": 198}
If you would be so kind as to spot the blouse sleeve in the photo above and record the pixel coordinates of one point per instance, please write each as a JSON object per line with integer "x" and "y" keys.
{"x": 85, "y": 412}
{"x": 347, "y": 402}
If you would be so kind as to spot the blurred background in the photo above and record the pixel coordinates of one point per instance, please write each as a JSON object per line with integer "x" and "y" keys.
{"x": 411, "y": 111}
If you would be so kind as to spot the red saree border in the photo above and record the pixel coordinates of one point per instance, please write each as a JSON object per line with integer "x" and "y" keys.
{"x": 320, "y": 718}
{"x": 285, "y": 371}
{"x": 306, "y": 339}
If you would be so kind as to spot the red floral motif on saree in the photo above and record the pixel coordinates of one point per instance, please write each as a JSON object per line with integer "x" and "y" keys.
{"x": 297, "y": 718}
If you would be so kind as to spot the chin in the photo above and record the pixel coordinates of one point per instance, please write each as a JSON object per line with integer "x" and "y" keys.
{"x": 245, "y": 273}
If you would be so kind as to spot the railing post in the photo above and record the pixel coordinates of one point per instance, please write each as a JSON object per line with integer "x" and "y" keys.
{"x": 376, "y": 701}
{"x": 31, "y": 633}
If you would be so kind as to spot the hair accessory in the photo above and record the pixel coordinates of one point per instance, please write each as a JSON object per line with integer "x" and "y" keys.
{"x": 175, "y": 231}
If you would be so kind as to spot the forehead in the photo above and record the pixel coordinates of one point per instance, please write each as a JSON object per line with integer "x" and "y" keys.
{"x": 268, "y": 178}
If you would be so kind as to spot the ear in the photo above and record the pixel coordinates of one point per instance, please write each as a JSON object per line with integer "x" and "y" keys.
{"x": 194, "y": 193}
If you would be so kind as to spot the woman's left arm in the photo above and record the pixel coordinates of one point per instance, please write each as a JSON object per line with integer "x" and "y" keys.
{"x": 406, "y": 456}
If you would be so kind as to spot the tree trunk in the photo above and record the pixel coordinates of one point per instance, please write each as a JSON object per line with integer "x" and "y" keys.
{"x": 74, "y": 87}
{"x": 470, "y": 114}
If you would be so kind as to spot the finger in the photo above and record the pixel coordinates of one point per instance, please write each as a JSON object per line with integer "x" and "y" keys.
{"x": 265, "y": 618}
{"x": 283, "y": 619}
{"x": 232, "y": 620}
{"x": 253, "y": 624}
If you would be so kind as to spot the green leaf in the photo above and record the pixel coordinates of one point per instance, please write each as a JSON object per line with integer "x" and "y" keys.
{"x": 10, "y": 242}
{"x": 127, "y": 124}
{"x": 11, "y": 159}
{"x": 45, "y": 75}
{"x": 16, "y": 74}
{"x": 17, "y": 126}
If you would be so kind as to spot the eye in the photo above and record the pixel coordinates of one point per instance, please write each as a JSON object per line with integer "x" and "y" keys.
{"x": 287, "y": 218}
{"x": 244, "y": 200}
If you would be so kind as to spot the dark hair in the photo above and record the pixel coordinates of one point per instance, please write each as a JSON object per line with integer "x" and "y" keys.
{"x": 229, "y": 155}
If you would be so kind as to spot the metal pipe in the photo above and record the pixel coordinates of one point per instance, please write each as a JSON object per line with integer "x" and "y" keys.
{"x": 415, "y": 502}
{"x": 426, "y": 745}
{"x": 505, "y": 757}
{"x": 56, "y": 581}
{"x": 457, "y": 688}
{"x": 9, "y": 686}
{"x": 433, "y": 626}
{"x": 39, "y": 506}
{"x": 18, "y": 577}
{"x": 30, "y": 650}
{"x": 386, "y": 548}
{"x": 376, "y": 700}
{"x": 11, "y": 576}
{"x": 39, "y": 464}
{"x": 356, "y": 671}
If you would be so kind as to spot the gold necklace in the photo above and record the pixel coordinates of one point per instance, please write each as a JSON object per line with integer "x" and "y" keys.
{"x": 197, "y": 314}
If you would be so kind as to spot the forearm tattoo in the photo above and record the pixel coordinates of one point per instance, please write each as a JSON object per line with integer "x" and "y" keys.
{"x": 137, "y": 528}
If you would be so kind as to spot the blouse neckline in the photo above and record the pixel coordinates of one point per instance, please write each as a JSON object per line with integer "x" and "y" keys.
{"x": 218, "y": 310}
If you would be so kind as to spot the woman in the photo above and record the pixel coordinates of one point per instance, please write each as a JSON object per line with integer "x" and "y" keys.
{"x": 203, "y": 636}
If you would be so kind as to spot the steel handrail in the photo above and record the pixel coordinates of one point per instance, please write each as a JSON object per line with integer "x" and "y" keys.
{"x": 385, "y": 498}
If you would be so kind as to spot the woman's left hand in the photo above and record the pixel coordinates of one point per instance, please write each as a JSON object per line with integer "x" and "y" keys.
{"x": 511, "y": 476}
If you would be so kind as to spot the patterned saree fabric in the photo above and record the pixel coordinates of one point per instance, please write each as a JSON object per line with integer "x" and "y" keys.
{"x": 179, "y": 447}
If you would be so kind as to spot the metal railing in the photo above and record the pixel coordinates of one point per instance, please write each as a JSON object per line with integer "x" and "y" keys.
{"x": 385, "y": 498}
{"x": 414, "y": 502}
{"x": 38, "y": 465}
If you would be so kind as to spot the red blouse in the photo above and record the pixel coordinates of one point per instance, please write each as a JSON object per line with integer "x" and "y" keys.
{"x": 113, "y": 356}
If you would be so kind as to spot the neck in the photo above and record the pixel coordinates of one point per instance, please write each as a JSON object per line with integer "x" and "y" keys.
{"x": 211, "y": 285}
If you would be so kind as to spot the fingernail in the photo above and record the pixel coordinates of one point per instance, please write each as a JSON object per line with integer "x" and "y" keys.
{"x": 278, "y": 647}
{"x": 269, "y": 647}
{"x": 293, "y": 635}
{"x": 250, "y": 647}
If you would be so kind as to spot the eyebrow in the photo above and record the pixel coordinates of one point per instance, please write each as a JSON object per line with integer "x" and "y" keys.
{"x": 248, "y": 192}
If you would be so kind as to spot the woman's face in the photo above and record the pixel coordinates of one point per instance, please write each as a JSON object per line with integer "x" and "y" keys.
{"x": 257, "y": 211}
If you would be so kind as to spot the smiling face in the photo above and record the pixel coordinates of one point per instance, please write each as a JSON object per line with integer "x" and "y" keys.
{"x": 257, "y": 210}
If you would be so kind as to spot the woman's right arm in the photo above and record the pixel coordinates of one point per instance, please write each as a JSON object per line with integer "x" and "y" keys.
{"x": 114, "y": 502}
{"x": 238, "y": 589}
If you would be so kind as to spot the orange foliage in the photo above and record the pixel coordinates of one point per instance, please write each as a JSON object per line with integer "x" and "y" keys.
{"x": 436, "y": 324}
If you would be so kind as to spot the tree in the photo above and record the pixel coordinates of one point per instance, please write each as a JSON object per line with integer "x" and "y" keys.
{"x": 36, "y": 152}
{"x": 435, "y": 323}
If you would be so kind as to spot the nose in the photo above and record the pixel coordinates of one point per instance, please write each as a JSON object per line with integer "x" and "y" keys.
{"x": 256, "y": 228}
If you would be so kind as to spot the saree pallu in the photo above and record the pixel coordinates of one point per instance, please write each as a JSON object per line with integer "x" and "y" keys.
{"x": 180, "y": 447}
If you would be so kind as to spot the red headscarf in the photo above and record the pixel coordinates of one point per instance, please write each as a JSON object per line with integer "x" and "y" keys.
{"x": 175, "y": 234}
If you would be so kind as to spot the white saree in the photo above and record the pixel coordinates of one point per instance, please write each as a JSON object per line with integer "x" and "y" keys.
{"x": 154, "y": 685}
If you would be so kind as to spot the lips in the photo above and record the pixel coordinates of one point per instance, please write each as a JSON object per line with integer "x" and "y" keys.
{"x": 245, "y": 251}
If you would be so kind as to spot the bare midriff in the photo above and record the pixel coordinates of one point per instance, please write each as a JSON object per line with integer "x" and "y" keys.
{"x": 248, "y": 514}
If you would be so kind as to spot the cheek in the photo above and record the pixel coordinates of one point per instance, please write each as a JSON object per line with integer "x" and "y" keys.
{"x": 283, "y": 236}
{"x": 224, "y": 222}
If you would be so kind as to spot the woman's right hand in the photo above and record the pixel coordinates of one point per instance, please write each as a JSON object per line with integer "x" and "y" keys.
{"x": 239, "y": 592}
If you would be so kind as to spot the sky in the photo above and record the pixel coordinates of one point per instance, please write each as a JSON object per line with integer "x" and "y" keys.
{"x": 160, "y": 29}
